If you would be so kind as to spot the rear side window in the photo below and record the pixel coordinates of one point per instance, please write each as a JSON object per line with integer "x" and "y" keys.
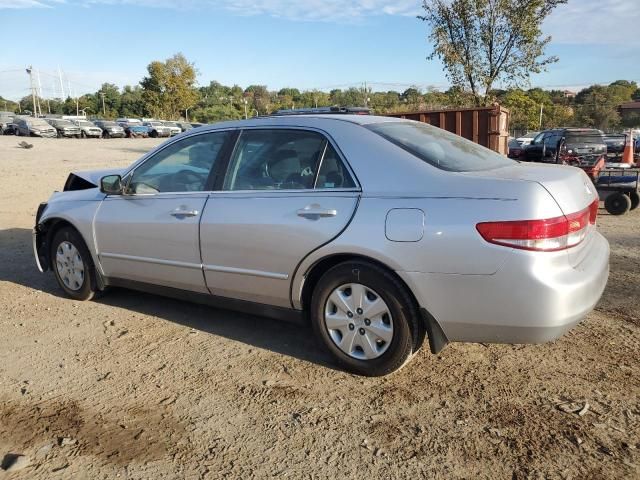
{"x": 440, "y": 148}
{"x": 281, "y": 159}
{"x": 333, "y": 173}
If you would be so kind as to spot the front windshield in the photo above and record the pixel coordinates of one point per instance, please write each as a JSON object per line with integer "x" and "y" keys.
{"x": 63, "y": 123}
{"x": 84, "y": 123}
{"x": 37, "y": 122}
{"x": 440, "y": 148}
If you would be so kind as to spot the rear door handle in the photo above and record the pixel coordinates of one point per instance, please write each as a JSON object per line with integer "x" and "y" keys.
{"x": 184, "y": 213}
{"x": 316, "y": 211}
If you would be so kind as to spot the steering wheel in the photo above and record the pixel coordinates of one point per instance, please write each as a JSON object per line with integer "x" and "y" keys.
{"x": 185, "y": 178}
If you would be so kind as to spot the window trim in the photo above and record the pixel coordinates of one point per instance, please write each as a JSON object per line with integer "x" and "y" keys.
{"x": 328, "y": 140}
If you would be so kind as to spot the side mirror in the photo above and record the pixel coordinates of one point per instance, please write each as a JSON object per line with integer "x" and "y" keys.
{"x": 111, "y": 185}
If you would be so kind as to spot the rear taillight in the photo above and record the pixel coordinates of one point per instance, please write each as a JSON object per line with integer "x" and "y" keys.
{"x": 593, "y": 211}
{"x": 548, "y": 235}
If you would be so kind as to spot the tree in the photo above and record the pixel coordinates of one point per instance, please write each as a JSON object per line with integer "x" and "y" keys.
{"x": 131, "y": 102}
{"x": 169, "y": 88}
{"x": 482, "y": 42}
{"x": 597, "y": 107}
{"x": 525, "y": 111}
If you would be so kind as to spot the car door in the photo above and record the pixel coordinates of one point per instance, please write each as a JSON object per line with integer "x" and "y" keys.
{"x": 286, "y": 192}
{"x": 534, "y": 149}
{"x": 150, "y": 233}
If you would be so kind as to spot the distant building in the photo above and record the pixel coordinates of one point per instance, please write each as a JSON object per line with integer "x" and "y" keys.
{"x": 569, "y": 94}
{"x": 629, "y": 109}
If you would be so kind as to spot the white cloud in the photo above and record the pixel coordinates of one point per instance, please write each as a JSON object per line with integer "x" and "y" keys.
{"x": 600, "y": 22}
{"x": 307, "y": 10}
{"x": 577, "y": 22}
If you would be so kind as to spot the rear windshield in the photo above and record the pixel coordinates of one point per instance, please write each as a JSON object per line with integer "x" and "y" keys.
{"x": 584, "y": 137}
{"x": 440, "y": 148}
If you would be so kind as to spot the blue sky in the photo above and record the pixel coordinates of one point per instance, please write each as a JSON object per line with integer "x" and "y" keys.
{"x": 308, "y": 44}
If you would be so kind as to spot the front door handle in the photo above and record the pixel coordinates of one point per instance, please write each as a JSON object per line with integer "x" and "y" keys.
{"x": 315, "y": 211}
{"x": 180, "y": 213}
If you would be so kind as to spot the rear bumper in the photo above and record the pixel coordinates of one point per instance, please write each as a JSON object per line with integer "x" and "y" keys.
{"x": 532, "y": 299}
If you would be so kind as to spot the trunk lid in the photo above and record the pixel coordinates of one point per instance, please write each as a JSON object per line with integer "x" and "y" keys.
{"x": 570, "y": 187}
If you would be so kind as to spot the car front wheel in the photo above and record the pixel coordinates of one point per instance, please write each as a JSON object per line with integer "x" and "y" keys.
{"x": 72, "y": 264}
{"x": 366, "y": 319}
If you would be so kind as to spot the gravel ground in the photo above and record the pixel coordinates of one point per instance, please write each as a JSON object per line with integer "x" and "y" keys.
{"x": 139, "y": 386}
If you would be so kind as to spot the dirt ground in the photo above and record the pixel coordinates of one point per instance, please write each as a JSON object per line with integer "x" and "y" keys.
{"x": 138, "y": 386}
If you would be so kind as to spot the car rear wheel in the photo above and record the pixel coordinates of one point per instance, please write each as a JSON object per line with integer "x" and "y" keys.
{"x": 72, "y": 264}
{"x": 153, "y": 134}
{"x": 635, "y": 200}
{"x": 365, "y": 317}
{"x": 617, "y": 204}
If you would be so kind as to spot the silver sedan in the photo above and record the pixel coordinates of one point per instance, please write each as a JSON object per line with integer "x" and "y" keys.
{"x": 378, "y": 231}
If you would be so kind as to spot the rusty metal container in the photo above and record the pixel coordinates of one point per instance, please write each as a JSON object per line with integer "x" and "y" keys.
{"x": 488, "y": 126}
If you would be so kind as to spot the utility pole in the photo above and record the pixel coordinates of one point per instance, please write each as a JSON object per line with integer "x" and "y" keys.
{"x": 33, "y": 90}
{"x": 39, "y": 92}
{"x": 244, "y": 100}
{"x": 61, "y": 84}
{"x": 541, "y": 110}
{"x": 366, "y": 94}
{"x": 104, "y": 110}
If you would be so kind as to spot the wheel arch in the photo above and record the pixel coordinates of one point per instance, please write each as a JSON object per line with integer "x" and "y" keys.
{"x": 44, "y": 233}
{"x": 429, "y": 325}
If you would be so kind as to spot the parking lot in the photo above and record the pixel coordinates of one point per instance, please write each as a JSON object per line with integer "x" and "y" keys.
{"x": 139, "y": 386}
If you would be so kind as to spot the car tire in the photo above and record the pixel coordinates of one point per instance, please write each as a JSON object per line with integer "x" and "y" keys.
{"x": 617, "y": 204}
{"x": 153, "y": 134}
{"x": 72, "y": 264}
{"x": 400, "y": 325}
{"x": 635, "y": 200}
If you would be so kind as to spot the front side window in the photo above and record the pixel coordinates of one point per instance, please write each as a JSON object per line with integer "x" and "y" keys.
{"x": 275, "y": 160}
{"x": 538, "y": 139}
{"x": 183, "y": 166}
{"x": 440, "y": 148}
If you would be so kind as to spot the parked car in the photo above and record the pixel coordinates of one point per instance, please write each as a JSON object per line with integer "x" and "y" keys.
{"x": 157, "y": 129}
{"x": 376, "y": 230}
{"x": 64, "y": 128}
{"x": 615, "y": 143}
{"x": 184, "y": 126}
{"x": 173, "y": 127}
{"x": 6, "y": 123}
{"x": 134, "y": 130}
{"x": 527, "y": 139}
{"x": 110, "y": 129}
{"x": 516, "y": 151}
{"x": 87, "y": 129}
{"x": 128, "y": 120}
{"x": 33, "y": 127}
{"x": 580, "y": 147}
